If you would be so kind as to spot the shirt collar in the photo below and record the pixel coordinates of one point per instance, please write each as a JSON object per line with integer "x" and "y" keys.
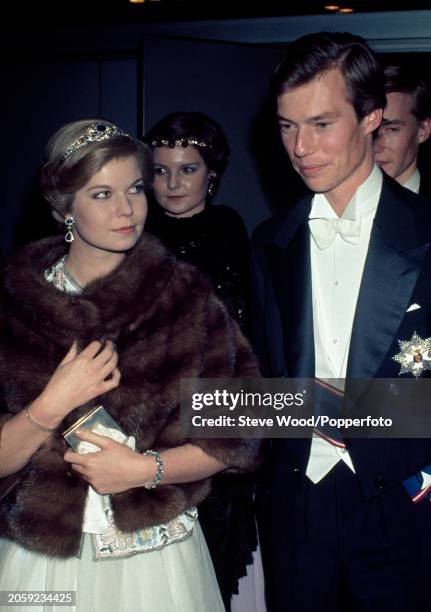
{"x": 413, "y": 183}
{"x": 364, "y": 200}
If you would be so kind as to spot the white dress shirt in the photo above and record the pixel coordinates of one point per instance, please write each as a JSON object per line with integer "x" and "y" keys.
{"x": 414, "y": 182}
{"x": 336, "y": 273}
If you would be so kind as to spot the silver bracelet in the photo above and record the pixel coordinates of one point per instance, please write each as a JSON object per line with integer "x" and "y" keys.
{"x": 35, "y": 423}
{"x": 160, "y": 469}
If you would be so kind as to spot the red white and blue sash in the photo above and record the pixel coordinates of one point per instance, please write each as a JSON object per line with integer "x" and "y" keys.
{"x": 328, "y": 402}
{"x": 419, "y": 485}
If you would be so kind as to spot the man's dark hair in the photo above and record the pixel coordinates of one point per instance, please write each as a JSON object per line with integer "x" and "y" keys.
{"x": 313, "y": 54}
{"x": 404, "y": 80}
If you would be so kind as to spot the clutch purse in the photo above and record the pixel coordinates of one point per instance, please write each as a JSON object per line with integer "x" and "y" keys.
{"x": 97, "y": 507}
{"x": 97, "y": 421}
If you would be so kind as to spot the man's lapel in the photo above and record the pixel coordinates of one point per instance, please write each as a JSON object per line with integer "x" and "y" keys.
{"x": 290, "y": 269}
{"x": 398, "y": 244}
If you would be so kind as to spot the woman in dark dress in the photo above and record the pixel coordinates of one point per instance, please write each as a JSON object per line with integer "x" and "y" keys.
{"x": 190, "y": 153}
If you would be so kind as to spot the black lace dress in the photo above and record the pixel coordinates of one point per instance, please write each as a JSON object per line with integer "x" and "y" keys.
{"x": 216, "y": 241}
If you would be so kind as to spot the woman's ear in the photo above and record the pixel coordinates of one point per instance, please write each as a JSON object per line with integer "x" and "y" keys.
{"x": 212, "y": 178}
{"x": 57, "y": 216}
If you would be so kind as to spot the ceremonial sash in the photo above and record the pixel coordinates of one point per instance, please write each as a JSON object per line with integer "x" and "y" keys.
{"x": 419, "y": 485}
{"x": 328, "y": 402}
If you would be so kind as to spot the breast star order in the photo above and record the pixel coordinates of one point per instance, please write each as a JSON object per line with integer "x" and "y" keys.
{"x": 414, "y": 356}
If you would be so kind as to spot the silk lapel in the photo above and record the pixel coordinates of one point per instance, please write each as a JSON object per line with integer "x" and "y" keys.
{"x": 391, "y": 269}
{"x": 290, "y": 269}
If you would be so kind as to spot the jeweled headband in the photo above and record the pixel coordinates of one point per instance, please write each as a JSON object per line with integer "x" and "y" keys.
{"x": 180, "y": 142}
{"x": 95, "y": 132}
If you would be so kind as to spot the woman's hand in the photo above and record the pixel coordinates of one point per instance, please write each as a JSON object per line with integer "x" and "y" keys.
{"x": 113, "y": 469}
{"x": 79, "y": 378}
{"x": 116, "y": 468}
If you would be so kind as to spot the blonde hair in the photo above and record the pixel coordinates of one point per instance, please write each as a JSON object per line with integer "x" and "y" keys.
{"x": 62, "y": 177}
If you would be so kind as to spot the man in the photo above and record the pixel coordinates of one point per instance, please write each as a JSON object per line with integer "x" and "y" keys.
{"x": 337, "y": 283}
{"x": 406, "y": 125}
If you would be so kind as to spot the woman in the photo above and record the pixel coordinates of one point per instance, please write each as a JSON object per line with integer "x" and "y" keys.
{"x": 190, "y": 153}
{"x": 115, "y": 320}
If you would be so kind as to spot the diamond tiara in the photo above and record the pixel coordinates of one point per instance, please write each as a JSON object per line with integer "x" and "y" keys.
{"x": 181, "y": 142}
{"x": 95, "y": 132}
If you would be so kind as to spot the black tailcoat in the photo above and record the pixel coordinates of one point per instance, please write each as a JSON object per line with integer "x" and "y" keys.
{"x": 397, "y": 274}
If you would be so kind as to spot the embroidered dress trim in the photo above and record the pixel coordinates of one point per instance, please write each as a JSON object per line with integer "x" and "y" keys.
{"x": 57, "y": 275}
{"x": 117, "y": 544}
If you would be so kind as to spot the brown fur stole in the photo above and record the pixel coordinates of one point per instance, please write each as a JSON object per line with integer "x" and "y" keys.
{"x": 167, "y": 325}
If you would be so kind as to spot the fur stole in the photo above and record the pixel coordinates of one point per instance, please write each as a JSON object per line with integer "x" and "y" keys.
{"x": 167, "y": 325}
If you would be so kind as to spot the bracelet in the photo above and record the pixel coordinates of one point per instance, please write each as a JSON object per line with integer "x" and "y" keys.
{"x": 160, "y": 469}
{"x": 35, "y": 423}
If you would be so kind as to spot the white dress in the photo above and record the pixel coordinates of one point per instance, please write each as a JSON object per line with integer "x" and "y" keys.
{"x": 178, "y": 577}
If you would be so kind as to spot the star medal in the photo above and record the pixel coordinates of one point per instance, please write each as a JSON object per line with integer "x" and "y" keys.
{"x": 414, "y": 356}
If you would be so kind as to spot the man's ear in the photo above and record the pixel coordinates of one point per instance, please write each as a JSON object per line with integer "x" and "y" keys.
{"x": 373, "y": 120}
{"x": 424, "y": 130}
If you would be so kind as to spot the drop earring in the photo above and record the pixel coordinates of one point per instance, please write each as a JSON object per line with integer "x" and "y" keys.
{"x": 69, "y": 221}
{"x": 211, "y": 187}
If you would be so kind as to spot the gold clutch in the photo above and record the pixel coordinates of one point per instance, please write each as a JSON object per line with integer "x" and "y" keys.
{"x": 98, "y": 421}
